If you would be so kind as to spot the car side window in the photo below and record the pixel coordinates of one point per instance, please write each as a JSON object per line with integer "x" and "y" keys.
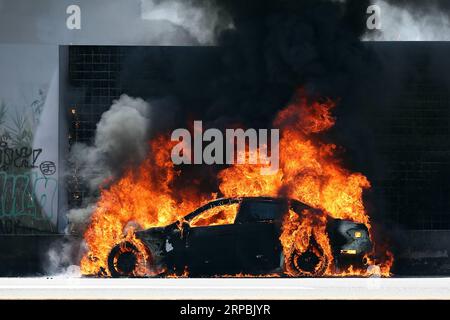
{"x": 253, "y": 211}
{"x": 216, "y": 216}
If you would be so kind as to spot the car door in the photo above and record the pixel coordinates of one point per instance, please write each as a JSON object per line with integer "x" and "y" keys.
{"x": 211, "y": 242}
{"x": 258, "y": 224}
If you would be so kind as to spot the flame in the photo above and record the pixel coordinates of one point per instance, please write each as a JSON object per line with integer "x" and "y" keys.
{"x": 216, "y": 216}
{"x": 142, "y": 198}
{"x": 310, "y": 171}
{"x": 296, "y": 239}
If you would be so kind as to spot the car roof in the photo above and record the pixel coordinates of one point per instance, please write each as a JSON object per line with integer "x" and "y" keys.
{"x": 248, "y": 198}
{"x": 231, "y": 200}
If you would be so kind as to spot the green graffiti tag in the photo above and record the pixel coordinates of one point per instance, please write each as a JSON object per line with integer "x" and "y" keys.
{"x": 28, "y": 195}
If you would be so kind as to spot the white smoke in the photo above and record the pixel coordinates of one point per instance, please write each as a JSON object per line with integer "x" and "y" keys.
{"x": 202, "y": 19}
{"x": 79, "y": 218}
{"x": 61, "y": 258}
{"x": 410, "y": 24}
{"x": 121, "y": 139}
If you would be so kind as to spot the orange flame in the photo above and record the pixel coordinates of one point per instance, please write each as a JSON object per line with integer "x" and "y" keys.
{"x": 216, "y": 216}
{"x": 142, "y": 198}
{"x": 296, "y": 238}
{"x": 310, "y": 171}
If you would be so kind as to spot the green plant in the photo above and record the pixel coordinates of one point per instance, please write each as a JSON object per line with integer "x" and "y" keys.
{"x": 21, "y": 134}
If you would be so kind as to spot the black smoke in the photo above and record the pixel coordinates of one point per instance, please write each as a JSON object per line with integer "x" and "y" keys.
{"x": 274, "y": 48}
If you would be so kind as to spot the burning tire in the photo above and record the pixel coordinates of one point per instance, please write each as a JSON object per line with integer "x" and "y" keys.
{"x": 310, "y": 263}
{"x": 126, "y": 260}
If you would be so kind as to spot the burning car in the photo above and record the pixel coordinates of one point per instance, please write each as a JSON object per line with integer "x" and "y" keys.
{"x": 241, "y": 235}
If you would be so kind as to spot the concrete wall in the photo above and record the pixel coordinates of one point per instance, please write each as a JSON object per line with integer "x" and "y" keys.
{"x": 22, "y": 256}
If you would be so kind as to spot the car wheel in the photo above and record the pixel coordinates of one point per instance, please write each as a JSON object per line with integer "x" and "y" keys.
{"x": 310, "y": 263}
{"x": 126, "y": 260}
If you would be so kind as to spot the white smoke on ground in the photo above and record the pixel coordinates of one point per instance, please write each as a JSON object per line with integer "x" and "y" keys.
{"x": 408, "y": 23}
{"x": 204, "y": 20}
{"x": 62, "y": 256}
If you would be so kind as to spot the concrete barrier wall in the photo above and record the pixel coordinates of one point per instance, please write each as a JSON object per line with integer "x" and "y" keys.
{"x": 27, "y": 255}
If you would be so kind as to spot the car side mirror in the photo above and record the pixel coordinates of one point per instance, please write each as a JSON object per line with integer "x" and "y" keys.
{"x": 185, "y": 226}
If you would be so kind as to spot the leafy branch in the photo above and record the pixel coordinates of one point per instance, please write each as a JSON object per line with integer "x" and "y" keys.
{"x": 20, "y": 133}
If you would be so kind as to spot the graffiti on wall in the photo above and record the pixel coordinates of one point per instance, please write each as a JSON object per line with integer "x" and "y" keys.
{"x": 19, "y": 158}
{"x": 28, "y": 187}
{"x": 28, "y": 170}
{"x": 10, "y": 226}
{"x": 26, "y": 194}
